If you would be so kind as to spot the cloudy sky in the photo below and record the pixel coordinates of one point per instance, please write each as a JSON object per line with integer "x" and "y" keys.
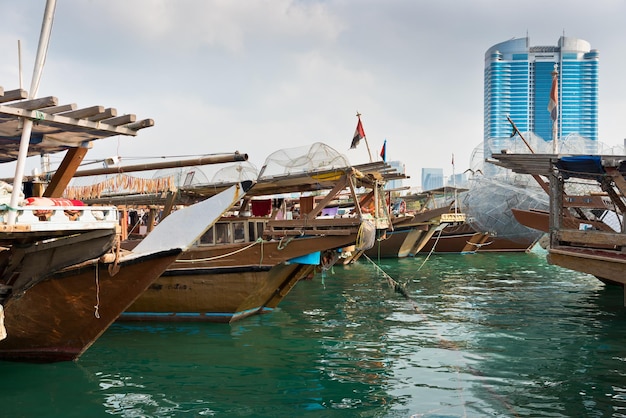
{"x": 257, "y": 76}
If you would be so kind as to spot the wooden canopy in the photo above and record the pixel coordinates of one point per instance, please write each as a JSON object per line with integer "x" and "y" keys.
{"x": 58, "y": 127}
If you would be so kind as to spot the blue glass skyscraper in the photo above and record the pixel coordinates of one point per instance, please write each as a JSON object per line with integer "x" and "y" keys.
{"x": 518, "y": 78}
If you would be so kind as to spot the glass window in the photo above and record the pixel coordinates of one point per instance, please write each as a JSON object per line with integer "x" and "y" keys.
{"x": 208, "y": 237}
{"x": 222, "y": 233}
{"x": 239, "y": 232}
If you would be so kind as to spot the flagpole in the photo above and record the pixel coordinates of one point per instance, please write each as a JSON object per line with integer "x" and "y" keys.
{"x": 358, "y": 115}
{"x": 454, "y": 185}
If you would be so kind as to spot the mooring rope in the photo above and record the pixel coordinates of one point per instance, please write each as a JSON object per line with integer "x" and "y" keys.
{"x": 431, "y": 250}
{"x": 97, "y": 305}
{"x": 217, "y": 257}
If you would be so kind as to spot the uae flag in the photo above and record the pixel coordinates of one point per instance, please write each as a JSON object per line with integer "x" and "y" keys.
{"x": 383, "y": 151}
{"x": 554, "y": 99}
{"x": 359, "y": 133}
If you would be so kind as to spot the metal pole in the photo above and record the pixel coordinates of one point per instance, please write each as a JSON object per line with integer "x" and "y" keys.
{"x": 42, "y": 49}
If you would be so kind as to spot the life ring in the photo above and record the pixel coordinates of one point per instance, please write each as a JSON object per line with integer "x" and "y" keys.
{"x": 402, "y": 206}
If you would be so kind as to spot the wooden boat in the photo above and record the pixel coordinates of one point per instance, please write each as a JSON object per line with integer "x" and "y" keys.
{"x": 58, "y": 316}
{"x": 409, "y": 233}
{"x": 61, "y": 281}
{"x": 456, "y": 234}
{"x": 246, "y": 265}
{"x": 462, "y": 238}
{"x": 581, "y": 243}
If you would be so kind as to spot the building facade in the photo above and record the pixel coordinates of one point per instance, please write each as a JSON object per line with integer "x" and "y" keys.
{"x": 432, "y": 178}
{"x": 518, "y": 79}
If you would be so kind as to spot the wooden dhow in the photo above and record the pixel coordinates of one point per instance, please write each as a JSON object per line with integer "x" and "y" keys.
{"x": 61, "y": 281}
{"x": 579, "y": 237}
{"x": 246, "y": 264}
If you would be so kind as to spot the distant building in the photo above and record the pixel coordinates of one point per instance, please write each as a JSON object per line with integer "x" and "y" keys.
{"x": 457, "y": 180}
{"x": 518, "y": 79}
{"x": 432, "y": 178}
{"x": 400, "y": 168}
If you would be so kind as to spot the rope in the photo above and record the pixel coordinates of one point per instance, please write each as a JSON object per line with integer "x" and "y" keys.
{"x": 115, "y": 268}
{"x": 431, "y": 250}
{"x": 366, "y": 236}
{"x": 280, "y": 243}
{"x": 478, "y": 245}
{"x": 97, "y": 305}
{"x": 396, "y": 286}
{"x": 217, "y": 257}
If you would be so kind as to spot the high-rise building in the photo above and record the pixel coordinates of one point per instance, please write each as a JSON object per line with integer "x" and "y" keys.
{"x": 432, "y": 178}
{"x": 518, "y": 80}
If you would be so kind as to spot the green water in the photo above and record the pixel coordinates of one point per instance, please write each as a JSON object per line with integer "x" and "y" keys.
{"x": 480, "y": 335}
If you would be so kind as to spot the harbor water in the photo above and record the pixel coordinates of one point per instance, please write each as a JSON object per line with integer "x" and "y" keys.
{"x": 476, "y": 335}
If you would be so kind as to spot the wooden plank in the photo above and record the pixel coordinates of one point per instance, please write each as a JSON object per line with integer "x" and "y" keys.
{"x": 591, "y": 237}
{"x": 11, "y": 95}
{"x": 594, "y": 202}
{"x": 144, "y": 123}
{"x": 314, "y": 231}
{"x": 106, "y": 114}
{"x": 85, "y": 112}
{"x": 58, "y": 109}
{"x": 36, "y": 104}
{"x": 120, "y": 120}
{"x": 618, "y": 178}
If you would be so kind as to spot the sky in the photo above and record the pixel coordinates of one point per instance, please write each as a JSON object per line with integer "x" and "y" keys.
{"x": 256, "y": 76}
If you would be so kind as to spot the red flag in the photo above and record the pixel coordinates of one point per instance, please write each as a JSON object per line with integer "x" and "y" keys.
{"x": 383, "y": 151}
{"x": 554, "y": 98}
{"x": 359, "y": 133}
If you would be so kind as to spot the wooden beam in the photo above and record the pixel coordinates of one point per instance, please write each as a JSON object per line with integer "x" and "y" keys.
{"x": 11, "y": 95}
{"x": 85, "y": 112}
{"x": 594, "y": 202}
{"x": 36, "y": 104}
{"x": 341, "y": 184}
{"x": 58, "y": 109}
{"x": 592, "y": 237}
{"x": 65, "y": 172}
{"x": 107, "y": 114}
{"x": 144, "y": 123}
{"x": 120, "y": 120}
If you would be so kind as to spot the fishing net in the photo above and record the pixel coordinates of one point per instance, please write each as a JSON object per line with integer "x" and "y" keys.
{"x": 318, "y": 156}
{"x": 494, "y": 190}
{"x": 236, "y": 173}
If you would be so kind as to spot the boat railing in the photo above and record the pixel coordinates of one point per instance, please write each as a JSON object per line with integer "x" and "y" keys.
{"x": 48, "y": 218}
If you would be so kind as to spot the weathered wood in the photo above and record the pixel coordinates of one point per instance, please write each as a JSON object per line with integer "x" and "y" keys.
{"x": 65, "y": 172}
{"x": 11, "y": 95}
{"x": 120, "y": 120}
{"x": 341, "y": 184}
{"x": 58, "y": 109}
{"x": 85, "y": 112}
{"x": 326, "y": 232}
{"x": 36, "y": 104}
{"x": 591, "y": 237}
{"x": 593, "y": 202}
{"x": 106, "y": 114}
{"x": 618, "y": 178}
{"x": 144, "y": 123}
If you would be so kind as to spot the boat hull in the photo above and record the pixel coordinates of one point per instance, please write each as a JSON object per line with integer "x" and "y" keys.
{"x": 62, "y": 316}
{"x": 607, "y": 266}
{"x": 226, "y": 283}
{"x": 464, "y": 239}
{"x": 216, "y": 295}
